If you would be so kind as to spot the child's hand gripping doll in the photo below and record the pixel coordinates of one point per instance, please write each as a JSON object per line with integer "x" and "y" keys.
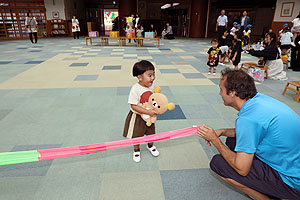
{"x": 157, "y": 102}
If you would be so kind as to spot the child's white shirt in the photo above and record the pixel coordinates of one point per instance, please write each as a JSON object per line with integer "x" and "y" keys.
{"x": 247, "y": 32}
{"x": 136, "y": 96}
{"x": 286, "y": 38}
{"x": 233, "y": 30}
{"x": 224, "y": 49}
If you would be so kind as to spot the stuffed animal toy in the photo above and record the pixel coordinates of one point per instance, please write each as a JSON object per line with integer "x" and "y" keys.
{"x": 159, "y": 103}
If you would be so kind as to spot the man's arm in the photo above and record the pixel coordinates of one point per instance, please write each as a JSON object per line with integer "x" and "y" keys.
{"x": 227, "y": 132}
{"x": 241, "y": 162}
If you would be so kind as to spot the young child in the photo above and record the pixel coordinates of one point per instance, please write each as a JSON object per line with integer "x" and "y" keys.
{"x": 233, "y": 30}
{"x": 284, "y": 26}
{"x": 286, "y": 40}
{"x": 139, "y": 94}
{"x": 237, "y": 50}
{"x": 139, "y": 32}
{"x": 224, "y": 53}
{"x": 247, "y": 33}
{"x": 213, "y": 56}
{"x": 238, "y": 26}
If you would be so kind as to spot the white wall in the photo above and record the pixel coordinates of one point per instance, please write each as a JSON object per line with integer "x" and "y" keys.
{"x": 296, "y": 10}
{"x": 55, "y": 5}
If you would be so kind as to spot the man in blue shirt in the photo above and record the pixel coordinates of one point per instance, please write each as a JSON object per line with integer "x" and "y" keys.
{"x": 262, "y": 157}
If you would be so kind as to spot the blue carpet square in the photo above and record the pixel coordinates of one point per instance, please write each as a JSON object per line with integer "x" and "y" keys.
{"x": 169, "y": 71}
{"x": 123, "y": 91}
{"x": 28, "y": 169}
{"x": 5, "y": 62}
{"x": 173, "y": 114}
{"x": 78, "y": 64}
{"x": 86, "y": 78}
{"x": 165, "y": 49}
{"x": 193, "y": 75}
{"x": 34, "y": 62}
{"x": 195, "y": 184}
{"x": 113, "y": 67}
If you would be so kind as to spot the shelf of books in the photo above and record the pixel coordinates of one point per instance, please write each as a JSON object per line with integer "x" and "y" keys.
{"x": 57, "y": 27}
{"x": 12, "y": 21}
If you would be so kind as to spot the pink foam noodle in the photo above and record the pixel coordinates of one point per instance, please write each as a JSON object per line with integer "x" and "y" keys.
{"x": 93, "y": 148}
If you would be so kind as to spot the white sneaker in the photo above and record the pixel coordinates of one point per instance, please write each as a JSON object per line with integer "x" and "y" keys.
{"x": 153, "y": 151}
{"x": 137, "y": 156}
{"x": 214, "y": 74}
{"x": 209, "y": 73}
{"x": 222, "y": 64}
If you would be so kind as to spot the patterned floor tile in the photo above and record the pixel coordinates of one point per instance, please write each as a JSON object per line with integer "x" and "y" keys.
{"x": 86, "y": 78}
{"x": 116, "y": 67}
{"x": 79, "y": 64}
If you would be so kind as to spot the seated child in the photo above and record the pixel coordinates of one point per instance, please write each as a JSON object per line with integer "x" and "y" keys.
{"x": 139, "y": 94}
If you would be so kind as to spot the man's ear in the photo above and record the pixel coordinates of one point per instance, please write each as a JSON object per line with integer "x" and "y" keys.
{"x": 232, "y": 93}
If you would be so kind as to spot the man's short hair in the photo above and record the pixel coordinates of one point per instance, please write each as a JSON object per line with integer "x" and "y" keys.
{"x": 240, "y": 82}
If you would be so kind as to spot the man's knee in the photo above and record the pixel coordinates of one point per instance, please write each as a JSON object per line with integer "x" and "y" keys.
{"x": 216, "y": 163}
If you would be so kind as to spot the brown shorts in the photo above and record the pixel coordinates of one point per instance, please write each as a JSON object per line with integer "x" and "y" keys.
{"x": 135, "y": 126}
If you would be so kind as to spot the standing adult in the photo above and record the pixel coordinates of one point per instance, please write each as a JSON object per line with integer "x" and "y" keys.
{"x": 31, "y": 26}
{"x": 137, "y": 21}
{"x": 75, "y": 27}
{"x": 262, "y": 156}
{"x": 221, "y": 24}
{"x": 245, "y": 20}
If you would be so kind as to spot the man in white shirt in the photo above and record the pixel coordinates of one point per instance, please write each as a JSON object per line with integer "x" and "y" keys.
{"x": 245, "y": 20}
{"x": 221, "y": 24}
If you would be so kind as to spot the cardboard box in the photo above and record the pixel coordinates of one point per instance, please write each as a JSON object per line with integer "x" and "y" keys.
{"x": 93, "y": 34}
{"x": 130, "y": 35}
{"x": 129, "y": 19}
{"x": 149, "y": 34}
{"x": 114, "y": 34}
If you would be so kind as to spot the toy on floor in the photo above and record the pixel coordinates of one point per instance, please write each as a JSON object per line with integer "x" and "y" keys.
{"x": 8, "y": 158}
{"x": 159, "y": 103}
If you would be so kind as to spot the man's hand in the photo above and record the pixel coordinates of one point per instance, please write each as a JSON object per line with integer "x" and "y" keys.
{"x": 208, "y": 133}
{"x": 233, "y": 59}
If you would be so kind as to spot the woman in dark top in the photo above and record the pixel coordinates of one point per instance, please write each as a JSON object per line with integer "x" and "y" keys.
{"x": 225, "y": 39}
{"x": 152, "y": 29}
{"x": 295, "y": 55}
{"x": 271, "y": 57}
{"x": 236, "y": 52}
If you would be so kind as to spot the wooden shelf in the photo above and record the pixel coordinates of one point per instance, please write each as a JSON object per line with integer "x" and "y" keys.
{"x": 57, "y": 27}
{"x": 12, "y": 21}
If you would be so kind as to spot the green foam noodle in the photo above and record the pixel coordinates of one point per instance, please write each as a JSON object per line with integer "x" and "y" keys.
{"x": 19, "y": 157}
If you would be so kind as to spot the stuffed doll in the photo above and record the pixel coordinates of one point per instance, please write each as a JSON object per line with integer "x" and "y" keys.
{"x": 159, "y": 103}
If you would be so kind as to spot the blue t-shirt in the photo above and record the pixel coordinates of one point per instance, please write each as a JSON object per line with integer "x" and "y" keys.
{"x": 271, "y": 130}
